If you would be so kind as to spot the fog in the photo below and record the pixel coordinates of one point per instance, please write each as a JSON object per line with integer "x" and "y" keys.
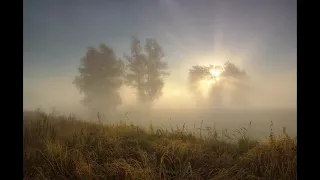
{"x": 272, "y": 97}
{"x": 272, "y": 91}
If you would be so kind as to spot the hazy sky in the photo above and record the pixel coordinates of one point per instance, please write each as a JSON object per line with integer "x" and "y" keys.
{"x": 258, "y": 35}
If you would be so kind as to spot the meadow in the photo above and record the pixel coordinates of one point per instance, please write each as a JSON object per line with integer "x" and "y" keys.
{"x": 64, "y": 147}
{"x": 220, "y": 119}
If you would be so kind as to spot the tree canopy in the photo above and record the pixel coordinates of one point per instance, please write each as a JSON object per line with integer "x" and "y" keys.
{"x": 216, "y": 77}
{"x": 146, "y": 70}
{"x": 100, "y": 78}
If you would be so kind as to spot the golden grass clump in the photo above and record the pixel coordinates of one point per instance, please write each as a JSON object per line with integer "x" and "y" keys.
{"x": 61, "y": 147}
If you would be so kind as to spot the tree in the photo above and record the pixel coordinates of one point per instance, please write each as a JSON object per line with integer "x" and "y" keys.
{"x": 231, "y": 70}
{"x": 200, "y": 76}
{"x": 239, "y": 80}
{"x": 99, "y": 79}
{"x": 216, "y": 78}
{"x": 216, "y": 89}
{"x": 196, "y": 75}
{"x": 146, "y": 70}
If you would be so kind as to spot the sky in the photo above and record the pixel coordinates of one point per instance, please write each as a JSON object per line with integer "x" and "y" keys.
{"x": 260, "y": 36}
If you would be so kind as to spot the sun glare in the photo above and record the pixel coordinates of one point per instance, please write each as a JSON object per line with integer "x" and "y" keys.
{"x": 208, "y": 82}
{"x": 215, "y": 72}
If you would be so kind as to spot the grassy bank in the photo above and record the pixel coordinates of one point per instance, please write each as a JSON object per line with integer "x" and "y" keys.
{"x": 61, "y": 147}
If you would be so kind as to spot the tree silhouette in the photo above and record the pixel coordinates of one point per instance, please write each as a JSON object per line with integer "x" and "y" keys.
{"x": 99, "y": 79}
{"x": 239, "y": 79}
{"x": 230, "y": 74}
{"x": 146, "y": 70}
{"x": 231, "y": 70}
{"x": 216, "y": 89}
{"x": 196, "y": 74}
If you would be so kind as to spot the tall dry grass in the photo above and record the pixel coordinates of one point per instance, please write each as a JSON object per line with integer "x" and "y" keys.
{"x": 60, "y": 147}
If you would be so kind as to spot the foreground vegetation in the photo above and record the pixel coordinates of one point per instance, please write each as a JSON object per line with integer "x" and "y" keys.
{"x": 61, "y": 147}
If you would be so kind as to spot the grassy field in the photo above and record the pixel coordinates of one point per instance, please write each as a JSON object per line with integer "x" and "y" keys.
{"x": 62, "y": 147}
{"x": 220, "y": 119}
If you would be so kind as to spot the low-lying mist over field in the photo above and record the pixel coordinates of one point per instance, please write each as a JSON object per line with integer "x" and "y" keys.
{"x": 270, "y": 92}
{"x": 272, "y": 98}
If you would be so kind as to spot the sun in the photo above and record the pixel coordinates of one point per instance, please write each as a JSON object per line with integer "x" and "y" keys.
{"x": 215, "y": 71}
{"x": 209, "y": 81}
